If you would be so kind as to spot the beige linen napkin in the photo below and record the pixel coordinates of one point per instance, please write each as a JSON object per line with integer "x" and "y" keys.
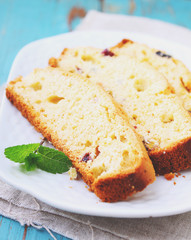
{"x": 28, "y": 210}
{"x": 103, "y": 21}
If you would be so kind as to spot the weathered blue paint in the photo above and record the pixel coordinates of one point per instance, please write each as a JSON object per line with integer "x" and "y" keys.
{"x": 24, "y": 21}
{"x": 12, "y": 230}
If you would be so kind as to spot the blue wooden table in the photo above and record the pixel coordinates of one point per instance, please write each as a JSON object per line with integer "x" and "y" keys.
{"x": 23, "y": 21}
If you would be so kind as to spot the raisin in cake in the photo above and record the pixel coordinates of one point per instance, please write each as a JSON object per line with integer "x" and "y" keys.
{"x": 84, "y": 122}
{"x": 145, "y": 95}
{"x": 174, "y": 70}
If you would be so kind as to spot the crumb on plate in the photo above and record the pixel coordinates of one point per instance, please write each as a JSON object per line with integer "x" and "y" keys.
{"x": 72, "y": 173}
{"x": 169, "y": 176}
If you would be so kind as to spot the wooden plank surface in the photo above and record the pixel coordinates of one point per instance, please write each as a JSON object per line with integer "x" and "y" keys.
{"x": 23, "y": 21}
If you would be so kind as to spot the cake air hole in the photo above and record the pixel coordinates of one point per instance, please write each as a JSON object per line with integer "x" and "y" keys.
{"x": 36, "y": 86}
{"x": 167, "y": 118}
{"x": 55, "y": 99}
{"x": 125, "y": 155}
{"x": 140, "y": 85}
{"x": 88, "y": 144}
{"x": 123, "y": 139}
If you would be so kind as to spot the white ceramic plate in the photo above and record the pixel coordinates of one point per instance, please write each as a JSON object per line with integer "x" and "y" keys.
{"x": 162, "y": 198}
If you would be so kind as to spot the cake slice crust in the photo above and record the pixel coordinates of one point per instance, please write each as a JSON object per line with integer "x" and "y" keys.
{"x": 145, "y": 95}
{"x": 84, "y": 122}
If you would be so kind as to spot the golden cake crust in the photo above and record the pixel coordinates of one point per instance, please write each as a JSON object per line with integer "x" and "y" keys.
{"x": 175, "y": 157}
{"x": 108, "y": 189}
{"x": 178, "y": 156}
{"x": 123, "y": 185}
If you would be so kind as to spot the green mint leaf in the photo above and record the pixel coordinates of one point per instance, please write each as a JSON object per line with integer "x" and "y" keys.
{"x": 37, "y": 156}
{"x": 20, "y": 152}
{"x": 51, "y": 160}
{"x": 54, "y": 154}
{"x": 31, "y": 162}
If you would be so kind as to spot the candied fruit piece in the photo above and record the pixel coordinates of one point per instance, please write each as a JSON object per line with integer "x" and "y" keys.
{"x": 79, "y": 70}
{"x": 86, "y": 157}
{"x": 106, "y": 52}
{"x": 161, "y": 54}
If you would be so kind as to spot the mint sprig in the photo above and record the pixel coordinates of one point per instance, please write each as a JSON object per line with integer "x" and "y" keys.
{"x": 37, "y": 156}
{"x": 20, "y": 152}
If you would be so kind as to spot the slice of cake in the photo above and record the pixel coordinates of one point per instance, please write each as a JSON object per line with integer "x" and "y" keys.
{"x": 145, "y": 95}
{"x": 84, "y": 122}
{"x": 174, "y": 70}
